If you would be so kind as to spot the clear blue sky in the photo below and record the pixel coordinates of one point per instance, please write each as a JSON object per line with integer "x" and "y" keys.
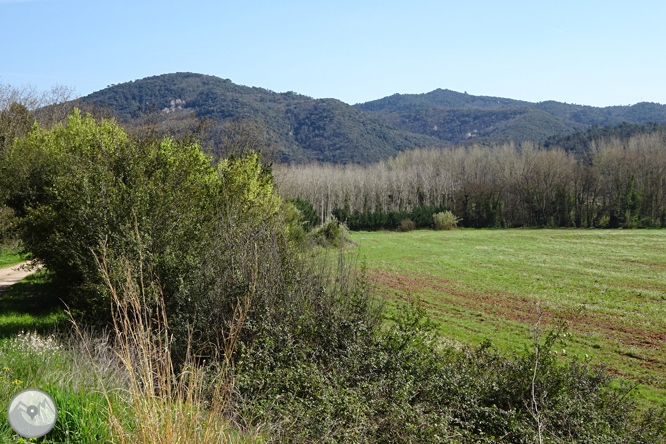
{"x": 587, "y": 52}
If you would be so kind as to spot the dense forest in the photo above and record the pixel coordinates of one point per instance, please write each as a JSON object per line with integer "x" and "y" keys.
{"x": 304, "y": 129}
{"x": 621, "y": 184}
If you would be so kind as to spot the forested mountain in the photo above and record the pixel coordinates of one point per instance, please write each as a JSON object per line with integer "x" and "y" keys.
{"x": 580, "y": 143}
{"x": 643, "y": 112}
{"x": 482, "y": 126}
{"x": 327, "y": 130}
{"x": 439, "y": 98}
{"x": 305, "y": 129}
{"x": 484, "y": 119}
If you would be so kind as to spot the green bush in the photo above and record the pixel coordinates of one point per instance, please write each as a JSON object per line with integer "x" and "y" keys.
{"x": 88, "y": 190}
{"x": 407, "y": 225}
{"x": 343, "y": 378}
{"x": 6, "y": 225}
{"x": 308, "y": 214}
{"x": 330, "y": 233}
{"x": 445, "y": 221}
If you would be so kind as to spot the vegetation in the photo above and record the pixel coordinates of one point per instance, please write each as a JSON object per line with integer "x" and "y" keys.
{"x": 305, "y": 129}
{"x": 445, "y": 221}
{"x": 94, "y": 384}
{"x": 407, "y": 225}
{"x": 621, "y": 185}
{"x": 458, "y": 126}
{"x": 588, "y": 115}
{"x": 485, "y": 284}
{"x": 327, "y": 130}
{"x": 584, "y": 143}
{"x": 221, "y": 313}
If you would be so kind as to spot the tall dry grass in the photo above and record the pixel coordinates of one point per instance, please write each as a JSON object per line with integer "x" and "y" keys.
{"x": 188, "y": 403}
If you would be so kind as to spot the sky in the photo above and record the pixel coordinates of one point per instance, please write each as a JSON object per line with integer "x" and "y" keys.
{"x": 599, "y": 53}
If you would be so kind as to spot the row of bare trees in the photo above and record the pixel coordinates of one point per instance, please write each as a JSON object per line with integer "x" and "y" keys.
{"x": 622, "y": 183}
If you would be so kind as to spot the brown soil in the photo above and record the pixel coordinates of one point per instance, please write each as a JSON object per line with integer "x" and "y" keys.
{"x": 449, "y": 296}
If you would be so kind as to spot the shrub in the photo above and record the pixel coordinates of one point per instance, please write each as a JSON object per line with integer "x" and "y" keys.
{"x": 308, "y": 214}
{"x": 445, "y": 221}
{"x": 345, "y": 378}
{"x": 330, "y": 233}
{"x": 406, "y": 225}
{"x": 6, "y": 223}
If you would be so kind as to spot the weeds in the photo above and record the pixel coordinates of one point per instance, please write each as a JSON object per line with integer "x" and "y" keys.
{"x": 165, "y": 404}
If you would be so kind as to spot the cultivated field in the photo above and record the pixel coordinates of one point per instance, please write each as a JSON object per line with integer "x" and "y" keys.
{"x": 486, "y": 284}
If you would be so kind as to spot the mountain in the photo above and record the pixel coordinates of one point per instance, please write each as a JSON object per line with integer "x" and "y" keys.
{"x": 328, "y": 130}
{"x": 580, "y": 143}
{"x": 495, "y": 119}
{"x": 439, "y": 98}
{"x": 305, "y": 129}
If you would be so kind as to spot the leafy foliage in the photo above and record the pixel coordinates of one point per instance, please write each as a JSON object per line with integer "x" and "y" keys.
{"x": 420, "y": 216}
{"x": 307, "y": 214}
{"x": 348, "y": 381}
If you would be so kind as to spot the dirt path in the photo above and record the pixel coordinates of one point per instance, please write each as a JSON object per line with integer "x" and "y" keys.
{"x": 11, "y": 275}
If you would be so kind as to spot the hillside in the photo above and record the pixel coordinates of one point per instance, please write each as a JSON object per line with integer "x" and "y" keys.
{"x": 439, "y": 98}
{"x": 643, "y": 112}
{"x": 327, "y": 130}
{"x": 485, "y": 126}
{"x": 488, "y": 119}
{"x": 305, "y": 129}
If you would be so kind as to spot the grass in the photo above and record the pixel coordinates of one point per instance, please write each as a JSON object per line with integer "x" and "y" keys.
{"x": 9, "y": 253}
{"x": 30, "y": 305}
{"x": 9, "y": 258}
{"x": 89, "y": 381}
{"x": 34, "y": 356}
{"x": 31, "y": 360}
{"x": 485, "y": 284}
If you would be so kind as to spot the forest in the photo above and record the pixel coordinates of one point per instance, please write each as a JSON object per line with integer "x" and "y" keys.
{"x": 620, "y": 183}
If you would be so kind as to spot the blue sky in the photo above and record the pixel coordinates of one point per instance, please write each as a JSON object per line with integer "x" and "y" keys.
{"x": 587, "y": 52}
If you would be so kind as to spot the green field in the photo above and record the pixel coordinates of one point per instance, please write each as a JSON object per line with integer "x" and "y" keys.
{"x": 486, "y": 284}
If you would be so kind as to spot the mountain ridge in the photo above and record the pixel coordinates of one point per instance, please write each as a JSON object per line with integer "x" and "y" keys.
{"x": 306, "y": 129}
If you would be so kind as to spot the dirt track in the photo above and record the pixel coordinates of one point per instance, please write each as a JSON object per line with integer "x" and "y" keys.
{"x": 11, "y": 275}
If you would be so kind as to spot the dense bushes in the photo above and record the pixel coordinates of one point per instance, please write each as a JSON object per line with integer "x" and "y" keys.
{"x": 348, "y": 381}
{"x": 445, "y": 221}
{"x": 368, "y": 220}
{"x": 87, "y": 190}
{"x": 308, "y": 215}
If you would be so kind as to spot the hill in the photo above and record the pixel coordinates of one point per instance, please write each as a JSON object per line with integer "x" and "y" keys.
{"x": 305, "y": 129}
{"x": 483, "y": 126}
{"x": 643, "y": 112}
{"x": 581, "y": 142}
{"x": 457, "y": 117}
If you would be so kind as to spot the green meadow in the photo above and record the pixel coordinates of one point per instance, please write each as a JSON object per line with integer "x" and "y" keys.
{"x": 609, "y": 285}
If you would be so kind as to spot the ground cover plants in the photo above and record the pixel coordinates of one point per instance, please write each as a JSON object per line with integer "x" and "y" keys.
{"x": 8, "y": 258}
{"x": 484, "y": 284}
